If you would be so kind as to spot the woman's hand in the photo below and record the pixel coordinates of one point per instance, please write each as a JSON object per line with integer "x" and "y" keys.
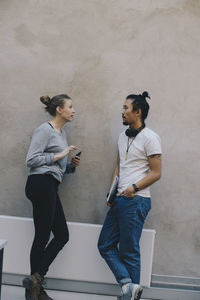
{"x": 64, "y": 153}
{"x": 129, "y": 192}
{"x": 75, "y": 161}
{"x": 67, "y": 150}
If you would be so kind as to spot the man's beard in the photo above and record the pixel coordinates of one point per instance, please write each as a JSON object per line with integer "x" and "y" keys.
{"x": 125, "y": 123}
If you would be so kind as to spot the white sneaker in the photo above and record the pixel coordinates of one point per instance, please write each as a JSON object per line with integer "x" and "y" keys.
{"x": 126, "y": 293}
{"x": 136, "y": 292}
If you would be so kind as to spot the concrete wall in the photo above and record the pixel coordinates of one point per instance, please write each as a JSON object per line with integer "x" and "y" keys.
{"x": 99, "y": 51}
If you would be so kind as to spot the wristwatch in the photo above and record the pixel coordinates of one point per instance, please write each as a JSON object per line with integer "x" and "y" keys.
{"x": 136, "y": 189}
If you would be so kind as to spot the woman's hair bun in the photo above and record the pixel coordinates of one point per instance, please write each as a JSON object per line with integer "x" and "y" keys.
{"x": 145, "y": 95}
{"x": 45, "y": 100}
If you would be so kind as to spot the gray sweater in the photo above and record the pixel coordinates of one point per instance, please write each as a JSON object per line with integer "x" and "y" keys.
{"x": 45, "y": 143}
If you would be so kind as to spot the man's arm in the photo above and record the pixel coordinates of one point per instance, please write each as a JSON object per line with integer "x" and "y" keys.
{"x": 155, "y": 173}
{"x": 153, "y": 176}
{"x": 115, "y": 173}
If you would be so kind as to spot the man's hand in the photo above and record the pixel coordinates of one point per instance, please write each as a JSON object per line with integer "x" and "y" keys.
{"x": 111, "y": 204}
{"x": 129, "y": 192}
{"x": 75, "y": 161}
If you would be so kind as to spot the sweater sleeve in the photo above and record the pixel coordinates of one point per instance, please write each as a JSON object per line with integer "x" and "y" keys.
{"x": 70, "y": 168}
{"x": 36, "y": 154}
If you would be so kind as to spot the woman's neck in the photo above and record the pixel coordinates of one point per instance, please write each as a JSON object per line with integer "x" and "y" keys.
{"x": 57, "y": 124}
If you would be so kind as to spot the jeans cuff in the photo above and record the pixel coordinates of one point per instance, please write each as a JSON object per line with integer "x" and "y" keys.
{"x": 125, "y": 280}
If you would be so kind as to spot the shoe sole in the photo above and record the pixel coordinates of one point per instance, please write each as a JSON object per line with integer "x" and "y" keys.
{"x": 138, "y": 294}
{"x": 31, "y": 293}
{"x": 28, "y": 295}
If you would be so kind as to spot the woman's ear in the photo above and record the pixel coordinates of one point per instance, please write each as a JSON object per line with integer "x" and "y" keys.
{"x": 59, "y": 109}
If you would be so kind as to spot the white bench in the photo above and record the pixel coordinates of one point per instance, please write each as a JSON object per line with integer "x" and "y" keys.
{"x": 79, "y": 260}
{"x": 2, "y": 246}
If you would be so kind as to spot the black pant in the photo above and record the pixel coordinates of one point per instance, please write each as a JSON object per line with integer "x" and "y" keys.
{"x": 48, "y": 216}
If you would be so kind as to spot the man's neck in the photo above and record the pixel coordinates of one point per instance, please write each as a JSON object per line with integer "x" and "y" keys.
{"x": 136, "y": 125}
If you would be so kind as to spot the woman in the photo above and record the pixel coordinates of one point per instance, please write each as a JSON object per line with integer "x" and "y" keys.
{"x": 47, "y": 160}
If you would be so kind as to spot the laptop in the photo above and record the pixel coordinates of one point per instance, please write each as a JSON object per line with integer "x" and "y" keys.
{"x": 113, "y": 190}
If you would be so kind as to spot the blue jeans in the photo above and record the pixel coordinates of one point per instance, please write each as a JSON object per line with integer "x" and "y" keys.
{"x": 120, "y": 235}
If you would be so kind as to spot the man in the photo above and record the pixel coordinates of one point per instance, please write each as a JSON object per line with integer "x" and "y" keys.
{"x": 138, "y": 166}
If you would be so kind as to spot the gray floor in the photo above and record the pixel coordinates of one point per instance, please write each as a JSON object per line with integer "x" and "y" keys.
{"x": 17, "y": 293}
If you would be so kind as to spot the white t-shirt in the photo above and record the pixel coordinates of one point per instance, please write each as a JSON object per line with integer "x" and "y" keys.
{"x": 136, "y": 167}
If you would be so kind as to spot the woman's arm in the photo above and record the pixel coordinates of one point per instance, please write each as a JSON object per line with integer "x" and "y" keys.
{"x": 64, "y": 153}
{"x": 36, "y": 156}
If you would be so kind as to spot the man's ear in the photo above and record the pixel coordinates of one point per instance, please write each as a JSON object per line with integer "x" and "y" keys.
{"x": 138, "y": 112}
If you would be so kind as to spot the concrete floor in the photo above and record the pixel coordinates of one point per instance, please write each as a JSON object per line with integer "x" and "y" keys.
{"x": 17, "y": 293}
{"x": 9, "y": 292}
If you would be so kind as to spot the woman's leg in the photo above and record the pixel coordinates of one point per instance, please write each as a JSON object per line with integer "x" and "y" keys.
{"x": 61, "y": 237}
{"x": 42, "y": 191}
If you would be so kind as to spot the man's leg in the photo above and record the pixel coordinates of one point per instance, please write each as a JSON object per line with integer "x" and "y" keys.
{"x": 108, "y": 246}
{"x": 131, "y": 217}
{"x": 131, "y": 214}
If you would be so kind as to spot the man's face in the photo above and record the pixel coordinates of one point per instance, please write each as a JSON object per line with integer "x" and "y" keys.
{"x": 128, "y": 115}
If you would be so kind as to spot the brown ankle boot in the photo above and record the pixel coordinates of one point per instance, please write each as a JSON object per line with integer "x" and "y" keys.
{"x": 33, "y": 286}
{"x": 43, "y": 295}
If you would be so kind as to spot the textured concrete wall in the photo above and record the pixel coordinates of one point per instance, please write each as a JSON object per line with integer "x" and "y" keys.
{"x": 99, "y": 51}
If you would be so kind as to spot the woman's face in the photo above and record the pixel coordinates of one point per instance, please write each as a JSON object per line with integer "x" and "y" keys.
{"x": 67, "y": 112}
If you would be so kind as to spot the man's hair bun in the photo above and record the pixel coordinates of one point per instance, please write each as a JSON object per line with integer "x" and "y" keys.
{"x": 45, "y": 100}
{"x": 145, "y": 95}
